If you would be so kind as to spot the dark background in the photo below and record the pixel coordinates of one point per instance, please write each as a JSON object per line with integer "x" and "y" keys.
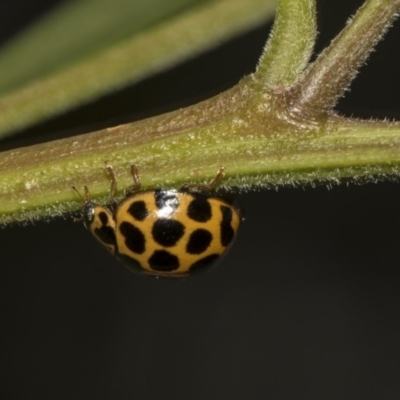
{"x": 305, "y": 306}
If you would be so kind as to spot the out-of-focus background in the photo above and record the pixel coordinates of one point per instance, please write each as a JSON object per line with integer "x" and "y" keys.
{"x": 305, "y": 306}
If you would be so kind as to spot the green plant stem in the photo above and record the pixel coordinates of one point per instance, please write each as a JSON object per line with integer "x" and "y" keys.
{"x": 295, "y": 22}
{"x": 331, "y": 74}
{"x": 36, "y": 181}
{"x": 262, "y": 137}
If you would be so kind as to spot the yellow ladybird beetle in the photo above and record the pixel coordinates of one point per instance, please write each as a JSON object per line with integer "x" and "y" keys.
{"x": 164, "y": 233}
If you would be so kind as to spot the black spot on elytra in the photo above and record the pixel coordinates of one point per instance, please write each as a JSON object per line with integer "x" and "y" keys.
{"x": 198, "y": 242}
{"x": 105, "y": 234}
{"x": 227, "y": 232}
{"x": 162, "y": 260}
{"x": 134, "y": 238}
{"x": 166, "y": 199}
{"x": 103, "y": 217}
{"x": 204, "y": 262}
{"x": 167, "y": 231}
{"x": 199, "y": 209}
{"x": 138, "y": 210}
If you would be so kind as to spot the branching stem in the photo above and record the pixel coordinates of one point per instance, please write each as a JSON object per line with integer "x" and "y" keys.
{"x": 275, "y": 127}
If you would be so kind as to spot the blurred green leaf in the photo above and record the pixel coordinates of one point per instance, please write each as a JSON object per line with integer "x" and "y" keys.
{"x": 159, "y": 46}
{"x": 76, "y": 30}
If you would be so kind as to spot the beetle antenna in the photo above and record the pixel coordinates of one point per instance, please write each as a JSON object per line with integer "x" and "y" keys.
{"x": 87, "y": 194}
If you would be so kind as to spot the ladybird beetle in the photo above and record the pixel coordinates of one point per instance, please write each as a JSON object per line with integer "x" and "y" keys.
{"x": 164, "y": 233}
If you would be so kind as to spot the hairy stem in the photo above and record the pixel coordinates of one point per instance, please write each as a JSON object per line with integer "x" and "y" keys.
{"x": 330, "y": 75}
{"x": 290, "y": 44}
{"x": 263, "y": 136}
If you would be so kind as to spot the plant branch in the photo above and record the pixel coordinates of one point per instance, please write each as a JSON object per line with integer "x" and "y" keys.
{"x": 248, "y": 129}
{"x": 327, "y": 79}
{"x": 290, "y": 44}
{"x": 175, "y": 148}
